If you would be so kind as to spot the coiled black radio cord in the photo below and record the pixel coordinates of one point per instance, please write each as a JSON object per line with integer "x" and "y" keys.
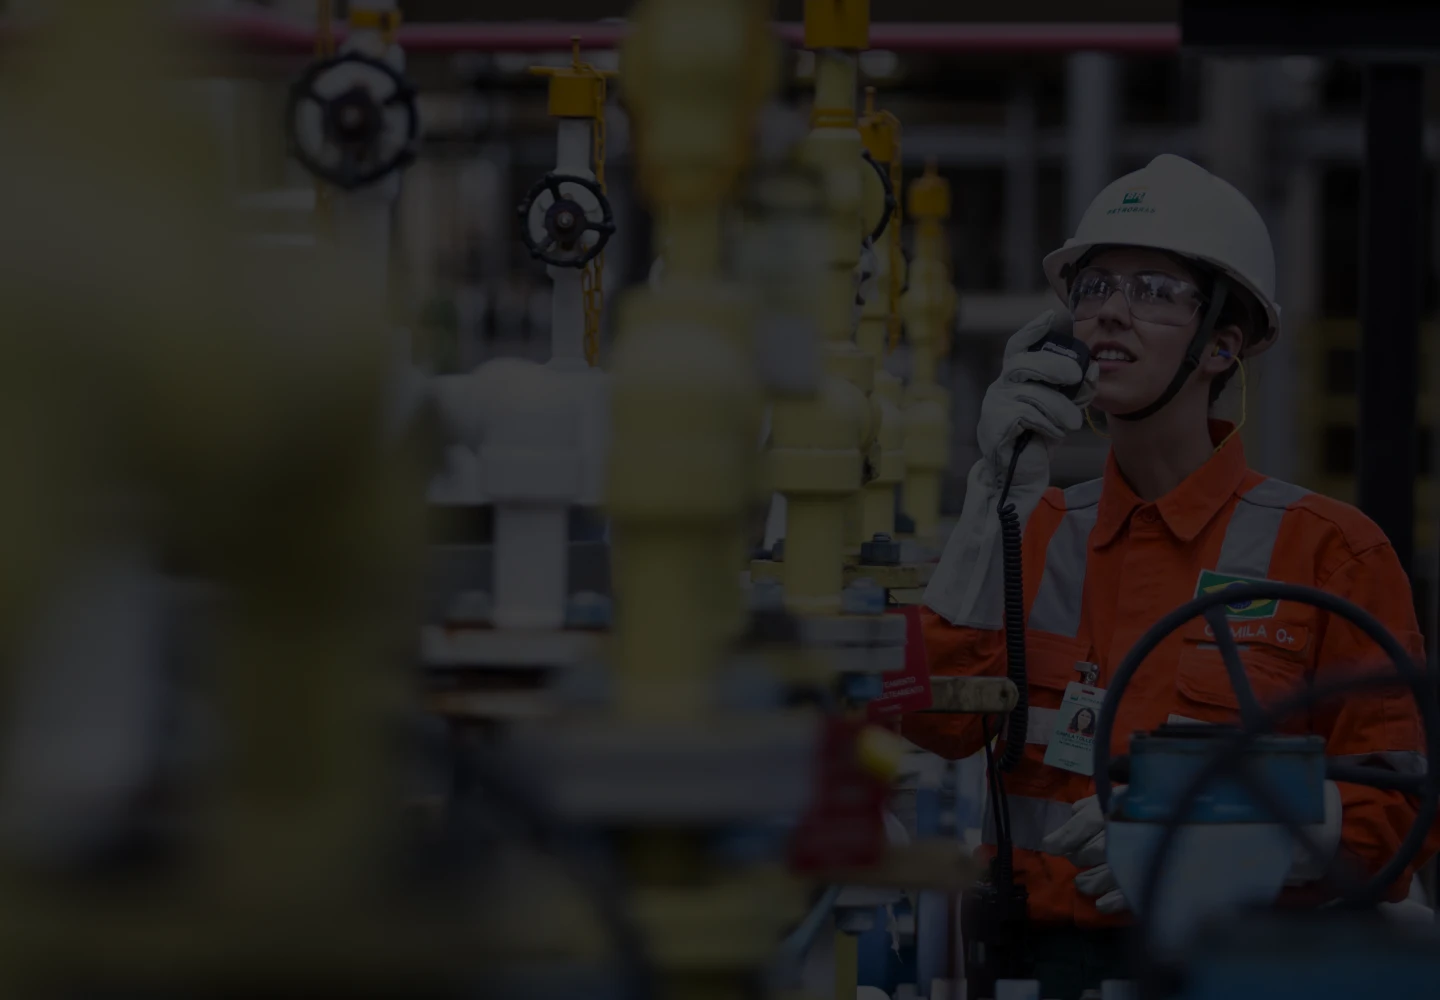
{"x": 1012, "y": 551}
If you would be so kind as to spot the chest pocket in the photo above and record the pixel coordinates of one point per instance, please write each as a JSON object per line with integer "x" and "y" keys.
{"x": 1204, "y": 692}
{"x": 1049, "y": 669}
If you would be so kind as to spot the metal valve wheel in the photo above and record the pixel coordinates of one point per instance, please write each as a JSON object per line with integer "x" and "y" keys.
{"x": 890, "y": 201}
{"x": 1256, "y": 720}
{"x": 566, "y": 228}
{"x": 352, "y": 120}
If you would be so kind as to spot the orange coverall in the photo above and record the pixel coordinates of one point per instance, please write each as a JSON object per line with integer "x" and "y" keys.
{"x": 1101, "y": 566}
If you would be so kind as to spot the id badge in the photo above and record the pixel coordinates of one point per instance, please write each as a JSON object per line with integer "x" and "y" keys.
{"x": 1072, "y": 744}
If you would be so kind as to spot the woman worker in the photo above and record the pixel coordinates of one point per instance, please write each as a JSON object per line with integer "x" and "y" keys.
{"x": 1083, "y": 722}
{"x": 1170, "y": 281}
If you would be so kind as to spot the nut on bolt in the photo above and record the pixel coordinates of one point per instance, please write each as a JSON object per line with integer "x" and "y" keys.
{"x": 882, "y": 550}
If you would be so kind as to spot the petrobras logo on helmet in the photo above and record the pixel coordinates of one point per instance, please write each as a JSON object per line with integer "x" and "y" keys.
{"x": 1133, "y": 202}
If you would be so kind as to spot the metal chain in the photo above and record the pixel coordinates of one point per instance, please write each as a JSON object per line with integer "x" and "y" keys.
{"x": 592, "y": 281}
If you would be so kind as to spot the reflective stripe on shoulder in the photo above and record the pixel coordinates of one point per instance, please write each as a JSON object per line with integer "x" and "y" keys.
{"x": 1057, "y": 602}
{"x": 1086, "y": 494}
{"x": 1254, "y": 527}
{"x": 1031, "y": 820}
{"x": 1185, "y": 720}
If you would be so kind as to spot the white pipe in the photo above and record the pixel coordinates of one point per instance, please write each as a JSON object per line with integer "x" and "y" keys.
{"x": 531, "y": 566}
{"x": 360, "y": 229}
{"x": 567, "y": 330}
{"x": 527, "y": 426}
{"x": 567, "y": 321}
{"x": 567, "y": 306}
{"x": 361, "y": 220}
{"x": 572, "y": 147}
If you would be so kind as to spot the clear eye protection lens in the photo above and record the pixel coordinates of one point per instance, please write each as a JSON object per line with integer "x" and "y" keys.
{"x": 1152, "y": 296}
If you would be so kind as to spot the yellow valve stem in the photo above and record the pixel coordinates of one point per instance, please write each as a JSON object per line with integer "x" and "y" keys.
{"x": 325, "y": 29}
{"x": 387, "y": 22}
{"x": 592, "y": 282}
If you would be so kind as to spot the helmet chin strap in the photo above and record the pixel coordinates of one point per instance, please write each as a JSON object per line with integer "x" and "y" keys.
{"x": 1192, "y": 354}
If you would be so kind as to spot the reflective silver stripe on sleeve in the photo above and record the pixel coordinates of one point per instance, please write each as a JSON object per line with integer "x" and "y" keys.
{"x": 1086, "y": 494}
{"x": 1039, "y": 724}
{"x": 1057, "y": 602}
{"x": 1254, "y": 527}
{"x": 1031, "y": 820}
{"x": 1402, "y": 761}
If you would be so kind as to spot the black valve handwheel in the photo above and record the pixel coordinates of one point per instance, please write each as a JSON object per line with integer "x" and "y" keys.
{"x": 566, "y": 222}
{"x": 354, "y": 122}
{"x": 1212, "y": 608}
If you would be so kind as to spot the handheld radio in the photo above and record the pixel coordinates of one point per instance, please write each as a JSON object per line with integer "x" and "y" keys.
{"x": 994, "y": 915}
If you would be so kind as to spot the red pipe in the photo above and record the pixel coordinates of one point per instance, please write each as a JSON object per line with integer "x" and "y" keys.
{"x": 263, "y": 30}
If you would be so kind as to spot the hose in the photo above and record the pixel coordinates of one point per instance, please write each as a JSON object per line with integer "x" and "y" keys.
{"x": 1013, "y": 561}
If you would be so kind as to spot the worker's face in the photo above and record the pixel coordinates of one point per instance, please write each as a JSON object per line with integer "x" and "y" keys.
{"x": 1136, "y": 310}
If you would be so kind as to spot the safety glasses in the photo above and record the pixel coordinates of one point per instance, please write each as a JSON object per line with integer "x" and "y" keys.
{"x": 1153, "y": 296}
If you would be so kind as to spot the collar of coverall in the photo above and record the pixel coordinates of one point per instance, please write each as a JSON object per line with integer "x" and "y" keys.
{"x": 1188, "y": 507}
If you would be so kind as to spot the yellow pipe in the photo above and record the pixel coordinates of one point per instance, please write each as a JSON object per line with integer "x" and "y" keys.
{"x": 888, "y": 457}
{"x": 813, "y": 581}
{"x": 816, "y": 465}
{"x": 929, "y": 311}
{"x": 691, "y": 235}
{"x": 881, "y": 135}
{"x": 685, "y": 415}
{"x": 819, "y": 447}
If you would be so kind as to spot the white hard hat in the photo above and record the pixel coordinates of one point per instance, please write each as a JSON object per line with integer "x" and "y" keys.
{"x": 1174, "y": 205}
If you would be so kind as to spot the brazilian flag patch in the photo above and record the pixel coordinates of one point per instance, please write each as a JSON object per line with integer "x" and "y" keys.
{"x": 1210, "y": 582}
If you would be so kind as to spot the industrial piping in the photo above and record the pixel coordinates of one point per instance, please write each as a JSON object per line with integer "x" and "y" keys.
{"x": 270, "y": 31}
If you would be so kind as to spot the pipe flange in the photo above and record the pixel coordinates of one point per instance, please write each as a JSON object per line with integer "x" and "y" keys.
{"x": 352, "y": 120}
{"x": 730, "y": 769}
{"x": 565, "y": 228}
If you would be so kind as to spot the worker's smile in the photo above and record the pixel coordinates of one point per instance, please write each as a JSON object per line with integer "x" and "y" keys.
{"x": 1112, "y": 357}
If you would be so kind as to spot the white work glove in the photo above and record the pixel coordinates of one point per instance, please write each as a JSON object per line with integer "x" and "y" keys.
{"x": 967, "y": 586}
{"x": 1326, "y": 834}
{"x": 1082, "y": 841}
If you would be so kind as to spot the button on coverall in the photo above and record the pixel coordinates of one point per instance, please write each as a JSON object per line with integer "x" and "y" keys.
{"x": 1102, "y": 566}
